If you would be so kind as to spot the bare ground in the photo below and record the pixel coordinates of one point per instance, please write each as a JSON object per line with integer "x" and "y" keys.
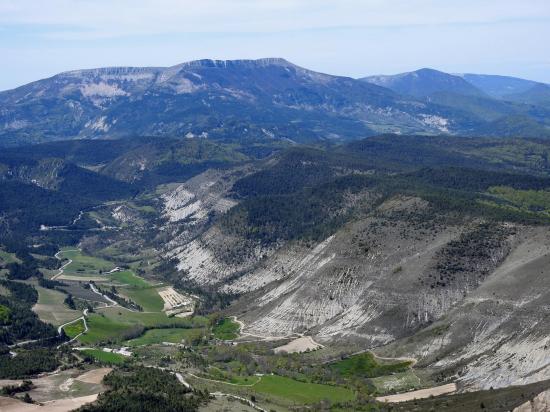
{"x": 302, "y": 344}
{"x": 59, "y": 405}
{"x": 419, "y": 394}
{"x": 94, "y": 376}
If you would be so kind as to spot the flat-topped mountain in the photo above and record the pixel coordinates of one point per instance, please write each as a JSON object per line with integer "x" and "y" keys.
{"x": 253, "y": 99}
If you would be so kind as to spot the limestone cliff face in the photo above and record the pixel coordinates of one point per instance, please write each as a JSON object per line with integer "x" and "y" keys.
{"x": 466, "y": 297}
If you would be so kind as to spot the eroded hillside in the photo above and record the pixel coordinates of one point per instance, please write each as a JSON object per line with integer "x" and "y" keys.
{"x": 440, "y": 270}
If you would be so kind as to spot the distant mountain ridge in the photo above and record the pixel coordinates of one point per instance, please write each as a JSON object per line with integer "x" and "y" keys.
{"x": 425, "y": 82}
{"x": 250, "y": 100}
{"x": 498, "y": 86}
{"x": 240, "y": 99}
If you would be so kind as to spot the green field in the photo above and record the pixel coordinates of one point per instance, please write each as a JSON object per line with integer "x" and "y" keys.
{"x": 74, "y": 329}
{"x": 148, "y": 298}
{"x": 105, "y": 357}
{"x": 366, "y": 365}
{"x": 534, "y": 201}
{"x": 114, "y": 324}
{"x": 149, "y": 320}
{"x": 302, "y": 392}
{"x": 218, "y": 374}
{"x": 6, "y": 257}
{"x": 103, "y": 329}
{"x": 172, "y": 335}
{"x": 4, "y": 314}
{"x": 226, "y": 329}
{"x": 139, "y": 290}
{"x": 84, "y": 265}
{"x": 128, "y": 277}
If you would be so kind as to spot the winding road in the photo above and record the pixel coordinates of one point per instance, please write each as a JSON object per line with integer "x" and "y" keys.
{"x": 62, "y": 268}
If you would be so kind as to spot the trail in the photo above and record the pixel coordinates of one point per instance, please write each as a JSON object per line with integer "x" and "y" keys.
{"x": 413, "y": 361}
{"x": 62, "y": 268}
{"x": 83, "y": 318}
{"x": 225, "y": 383}
{"x": 261, "y": 337}
{"x": 113, "y": 303}
{"x": 229, "y": 395}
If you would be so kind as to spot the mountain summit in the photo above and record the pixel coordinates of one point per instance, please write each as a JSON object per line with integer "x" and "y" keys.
{"x": 253, "y": 99}
{"x": 424, "y": 82}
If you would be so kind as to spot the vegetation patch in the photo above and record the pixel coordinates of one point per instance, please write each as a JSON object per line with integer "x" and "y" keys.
{"x": 171, "y": 335}
{"x": 104, "y": 329}
{"x": 6, "y": 257}
{"x": 147, "y": 298}
{"x": 533, "y": 201}
{"x": 84, "y": 265}
{"x": 226, "y": 329}
{"x": 396, "y": 382}
{"x": 4, "y": 314}
{"x": 302, "y": 392}
{"x": 27, "y": 363}
{"x": 74, "y": 329}
{"x": 146, "y": 389}
{"x": 366, "y": 365}
{"x": 129, "y": 278}
{"x": 105, "y": 357}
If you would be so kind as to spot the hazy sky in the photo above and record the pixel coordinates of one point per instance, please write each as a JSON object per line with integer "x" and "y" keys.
{"x": 348, "y": 37}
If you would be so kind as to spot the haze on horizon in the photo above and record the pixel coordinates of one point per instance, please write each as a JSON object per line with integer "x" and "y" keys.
{"x": 350, "y": 37}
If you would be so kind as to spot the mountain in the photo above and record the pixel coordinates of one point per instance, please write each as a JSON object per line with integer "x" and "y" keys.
{"x": 425, "y": 82}
{"x": 242, "y": 99}
{"x": 492, "y": 112}
{"x": 538, "y": 94}
{"x": 498, "y": 86}
{"x": 433, "y": 246}
{"x": 254, "y": 101}
{"x": 402, "y": 261}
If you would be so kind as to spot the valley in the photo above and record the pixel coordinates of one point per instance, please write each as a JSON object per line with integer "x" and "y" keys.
{"x": 230, "y": 267}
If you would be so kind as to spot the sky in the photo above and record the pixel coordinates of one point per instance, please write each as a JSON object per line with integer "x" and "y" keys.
{"x": 345, "y": 37}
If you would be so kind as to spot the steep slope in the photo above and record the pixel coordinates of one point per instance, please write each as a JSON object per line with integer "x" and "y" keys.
{"x": 243, "y": 99}
{"x": 498, "y": 336}
{"x": 430, "y": 263}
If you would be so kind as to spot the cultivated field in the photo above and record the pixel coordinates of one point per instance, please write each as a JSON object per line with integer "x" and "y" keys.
{"x": 50, "y": 307}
